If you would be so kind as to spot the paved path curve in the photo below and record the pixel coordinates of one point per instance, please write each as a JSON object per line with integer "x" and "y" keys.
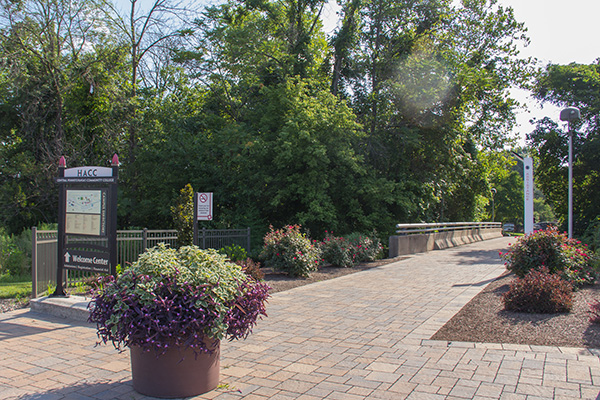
{"x": 361, "y": 336}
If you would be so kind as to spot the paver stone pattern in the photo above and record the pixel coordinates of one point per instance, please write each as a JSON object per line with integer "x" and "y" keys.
{"x": 361, "y": 336}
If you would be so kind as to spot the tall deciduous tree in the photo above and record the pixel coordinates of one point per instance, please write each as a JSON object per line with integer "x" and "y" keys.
{"x": 147, "y": 33}
{"x": 53, "y": 57}
{"x": 570, "y": 85}
{"x": 429, "y": 82}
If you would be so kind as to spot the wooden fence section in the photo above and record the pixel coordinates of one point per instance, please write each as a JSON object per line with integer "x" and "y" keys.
{"x": 130, "y": 244}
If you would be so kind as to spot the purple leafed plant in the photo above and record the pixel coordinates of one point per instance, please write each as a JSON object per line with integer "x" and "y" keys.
{"x": 177, "y": 298}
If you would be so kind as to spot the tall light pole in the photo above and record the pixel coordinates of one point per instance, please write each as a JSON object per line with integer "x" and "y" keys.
{"x": 569, "y": 115}
{"x": 494, "y": 191}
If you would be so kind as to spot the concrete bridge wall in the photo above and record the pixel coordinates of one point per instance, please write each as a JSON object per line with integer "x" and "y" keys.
{"x": 422, "y": 242}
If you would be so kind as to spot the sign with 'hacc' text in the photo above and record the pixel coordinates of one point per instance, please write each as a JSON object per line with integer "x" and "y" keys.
{"x": 87, "y": 220}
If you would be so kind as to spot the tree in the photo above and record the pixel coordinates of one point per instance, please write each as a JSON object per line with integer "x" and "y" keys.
{"x": 146, "y": 32}
{"x": 429, "y": 83}
{"x": 183, "y": 216}
{"x": 55, "y": 68}
{"x": 570, "y": 85}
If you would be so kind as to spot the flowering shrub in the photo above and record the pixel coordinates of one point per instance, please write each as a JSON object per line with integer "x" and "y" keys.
{"x": 338, "y": 251}
{"x": 539, "y": 292}
{"x": 367, "y": 248}
{"x": 555, "y": 251}
{"x": 185, "y": 297}
{"x": 290, "y": 251}
{"x": 350, "y": 250}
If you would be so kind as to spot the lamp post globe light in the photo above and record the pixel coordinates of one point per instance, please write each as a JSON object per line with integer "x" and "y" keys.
{"x": 569, "y": 115}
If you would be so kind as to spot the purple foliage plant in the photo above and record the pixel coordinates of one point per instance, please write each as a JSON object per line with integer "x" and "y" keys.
{"x": 177, "y": 298}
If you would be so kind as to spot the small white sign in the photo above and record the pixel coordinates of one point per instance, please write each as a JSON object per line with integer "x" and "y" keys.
{"x": 204, "y": 209}
{"x": 88, "y": 172}
{"x": 528, "y": 194}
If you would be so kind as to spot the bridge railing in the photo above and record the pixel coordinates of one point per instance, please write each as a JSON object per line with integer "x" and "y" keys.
{"x": 444, "y": 226}
{"x": 421, "y": 237}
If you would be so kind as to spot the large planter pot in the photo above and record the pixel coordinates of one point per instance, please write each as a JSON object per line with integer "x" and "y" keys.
{"x": 177, "y": 373}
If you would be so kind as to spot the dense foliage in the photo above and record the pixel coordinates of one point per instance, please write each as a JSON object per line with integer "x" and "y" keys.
{"x": 555, "y": 252}
{"x": 572, "y": 85}
{"x": 186, "y": 297}
{"x": 539, "y": 292}
{"x": 350, "y": 250}
{"x": 234, "y": 252}
{"x": 387, "y": 120}
{"x": 15, "y": 254}
{"x": 338, "y": 251}
{"x": 290, "y": 251}
{"x": 183, "y": 216}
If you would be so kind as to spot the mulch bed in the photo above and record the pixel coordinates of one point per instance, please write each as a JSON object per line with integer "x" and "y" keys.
{"x": 484, "y": 319}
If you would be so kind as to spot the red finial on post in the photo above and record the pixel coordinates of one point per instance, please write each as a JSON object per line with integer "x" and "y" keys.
{"x": 115, "y": 160}
{"x": 62, "y": 163}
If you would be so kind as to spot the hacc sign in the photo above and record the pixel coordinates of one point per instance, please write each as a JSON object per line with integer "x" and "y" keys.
{"x": 87, "y": 220}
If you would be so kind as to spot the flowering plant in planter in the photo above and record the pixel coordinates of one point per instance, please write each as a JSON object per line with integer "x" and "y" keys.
{"x": 184, "y": 298}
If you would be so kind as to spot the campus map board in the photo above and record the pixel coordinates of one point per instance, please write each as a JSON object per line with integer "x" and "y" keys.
{"x": 86, "y": 212}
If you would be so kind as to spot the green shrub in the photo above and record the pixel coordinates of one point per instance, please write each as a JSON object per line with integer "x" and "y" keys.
{"x": 251, "y": 268}
{"x": 290, "y": 251}
{"x": 183, "y": 216}
{"x": 234, "y": 252}
{"x": 367, "y": 248}
{"x": 554, "y": 251}
{"x": 15, "y": 253}
{"x": 539, "y": 292}
{"x": 338, "y": 251}
{"x": 591, "y": 236}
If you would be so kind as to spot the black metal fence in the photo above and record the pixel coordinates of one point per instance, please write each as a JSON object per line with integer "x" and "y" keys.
{"x": 219, "y": 238}
{"x": 130, "y": 244}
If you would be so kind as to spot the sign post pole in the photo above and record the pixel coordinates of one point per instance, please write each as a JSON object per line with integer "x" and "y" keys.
{"x": 59, "y": 291}
{"x": 112, "y": 221}
{"x": 195, "y": 219}
{"x": 203, "y": 211}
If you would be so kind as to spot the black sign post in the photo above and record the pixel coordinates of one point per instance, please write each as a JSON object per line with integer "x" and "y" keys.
{"x": 87, "y": 211}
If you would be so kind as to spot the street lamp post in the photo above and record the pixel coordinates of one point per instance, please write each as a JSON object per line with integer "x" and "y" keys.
{"x": 569, "y": 115}
{"x": 493, "y": 190}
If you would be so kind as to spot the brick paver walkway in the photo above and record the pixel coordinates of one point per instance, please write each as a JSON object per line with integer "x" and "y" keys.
{"x": 361, "y": 336}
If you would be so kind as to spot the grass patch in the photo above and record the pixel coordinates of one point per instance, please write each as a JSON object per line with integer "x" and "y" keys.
{"x": 11, "y": 290}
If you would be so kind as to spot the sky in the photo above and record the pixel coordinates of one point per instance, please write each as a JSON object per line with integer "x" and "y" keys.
{"x": 561, "y": 32}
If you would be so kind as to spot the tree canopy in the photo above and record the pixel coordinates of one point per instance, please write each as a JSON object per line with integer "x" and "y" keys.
{"x": 391, "y": 119}
{"x": 565, "y": 86}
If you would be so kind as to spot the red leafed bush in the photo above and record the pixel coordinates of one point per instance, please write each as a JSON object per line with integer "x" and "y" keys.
{"x": 252, "y": 268}
{"x": 595, "y": 311}
{"x": 539, "y": 292}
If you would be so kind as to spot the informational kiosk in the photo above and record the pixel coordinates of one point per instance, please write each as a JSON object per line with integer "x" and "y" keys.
{"x": 87, "y": 220}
